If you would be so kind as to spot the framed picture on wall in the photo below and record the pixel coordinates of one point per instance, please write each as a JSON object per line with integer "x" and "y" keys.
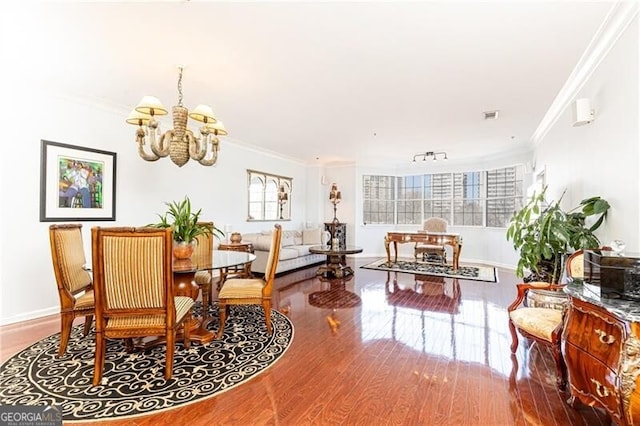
{"x": 76, "y": 183}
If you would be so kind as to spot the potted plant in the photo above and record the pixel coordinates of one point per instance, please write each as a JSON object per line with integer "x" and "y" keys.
{"x": 186, "y": 226}
{"x": 544, "y": 234}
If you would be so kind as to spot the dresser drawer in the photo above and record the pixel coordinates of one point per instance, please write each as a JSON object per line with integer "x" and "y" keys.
{"x": 595, "y": 332}
{"x": 592, "y": 381}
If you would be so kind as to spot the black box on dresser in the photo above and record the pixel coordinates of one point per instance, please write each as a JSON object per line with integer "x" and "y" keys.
{"x": 604, "y": 270}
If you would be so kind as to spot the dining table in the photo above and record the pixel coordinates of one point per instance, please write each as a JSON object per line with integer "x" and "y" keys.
{"x": 184, "y": 272}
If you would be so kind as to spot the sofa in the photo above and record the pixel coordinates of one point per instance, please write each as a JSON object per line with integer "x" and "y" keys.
{"x": 294, "y": 249}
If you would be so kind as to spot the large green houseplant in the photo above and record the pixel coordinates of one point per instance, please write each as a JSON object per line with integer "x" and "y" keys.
{"x": 543, "y": 234}
{"x": 185, "y": 223}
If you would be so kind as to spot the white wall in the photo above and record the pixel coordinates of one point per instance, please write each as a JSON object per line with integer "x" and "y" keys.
{"x": 602, "y": 158}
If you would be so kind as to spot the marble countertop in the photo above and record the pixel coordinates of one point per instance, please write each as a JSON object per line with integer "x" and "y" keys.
{"x": 628, "y": 310}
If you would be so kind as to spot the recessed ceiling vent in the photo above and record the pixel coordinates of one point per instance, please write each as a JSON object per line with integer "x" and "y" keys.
{"x": 490, "y": 115}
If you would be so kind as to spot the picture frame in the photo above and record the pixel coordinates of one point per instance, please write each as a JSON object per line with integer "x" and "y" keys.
{"x": 76, "y": 183}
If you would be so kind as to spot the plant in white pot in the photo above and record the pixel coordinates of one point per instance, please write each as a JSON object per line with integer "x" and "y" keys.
{"x": 186, "y": 227}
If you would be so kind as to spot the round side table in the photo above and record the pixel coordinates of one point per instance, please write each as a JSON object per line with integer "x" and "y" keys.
{"x": 241, "y": 246}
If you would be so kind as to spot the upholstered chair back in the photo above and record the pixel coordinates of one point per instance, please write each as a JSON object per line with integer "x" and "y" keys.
{"x": 204, "y": 247}
{"x": 575, "y": 265}
{"x": 69, "y": 261}
{"x": 134, "y": 266}
{"x": 434, "y": 224}
{"x": 203, "y": 250}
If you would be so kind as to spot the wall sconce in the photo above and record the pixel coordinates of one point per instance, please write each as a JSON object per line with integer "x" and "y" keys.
{"x": 178, "y": 143}
{"x": 335, "y": 197}
{"x": 582, "y": 112}
{"x": 283, "y": 197}
{"x": 428, "y": 154}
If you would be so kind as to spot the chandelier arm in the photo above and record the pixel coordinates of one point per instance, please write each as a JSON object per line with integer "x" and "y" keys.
{"x": 141, "y": 142}
{"x": 215, "y": 147}
{"x": 197, "y": 151}
{"x": 158, "y": 147}
{"x": 153, "y": 128}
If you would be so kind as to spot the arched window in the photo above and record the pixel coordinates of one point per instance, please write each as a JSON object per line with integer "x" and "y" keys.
{"x": 267, "y": 199}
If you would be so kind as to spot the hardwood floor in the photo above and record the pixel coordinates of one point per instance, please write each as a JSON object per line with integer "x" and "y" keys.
{"x": 397, "y": 357}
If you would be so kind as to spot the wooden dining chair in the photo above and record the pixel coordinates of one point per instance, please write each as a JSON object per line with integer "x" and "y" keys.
{"x": 75, "y": 285}
{"x": 204, "y": 249}
{"x": 134, "y": 292}
{"x": 252, "y": 291}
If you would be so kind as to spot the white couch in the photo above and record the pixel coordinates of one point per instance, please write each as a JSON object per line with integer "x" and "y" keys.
{"x": 294, "y": 249}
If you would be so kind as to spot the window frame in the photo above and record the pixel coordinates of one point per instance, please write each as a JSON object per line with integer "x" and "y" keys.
{"x": 266, "y": 198}
{"x": 486, "y": 192}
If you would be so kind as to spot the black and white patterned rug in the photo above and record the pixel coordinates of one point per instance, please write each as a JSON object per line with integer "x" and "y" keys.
{"x": 135, "y": 381}
{"x": 476, "y": 272}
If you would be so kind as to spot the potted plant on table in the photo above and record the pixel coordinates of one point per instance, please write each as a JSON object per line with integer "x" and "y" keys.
{"x": 186, "y": 227}
{"x": 544, "y": 234}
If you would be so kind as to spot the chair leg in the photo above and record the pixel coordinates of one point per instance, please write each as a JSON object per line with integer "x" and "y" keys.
{"x": 98, "y": 363}
{"x": 128, "y": 344}
{"x": 170, "y": 350}
{"x": 514, "y": 337}
{"x": 561, "y": 367}
{"x": 87, "y": 324}
{"x": 266, "y": 304}
{"x": 186, "y": 330}
{"x": 223, "y": 318}
{"x": 66, "y": 322}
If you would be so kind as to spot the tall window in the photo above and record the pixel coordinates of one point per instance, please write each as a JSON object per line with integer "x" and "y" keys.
{"x": 468, "y": 205}
{"x": 474, "y": 198}
{"x": 437, "y": 196}
{"x": 379, "y": 197}
{"x": 263, "y": 196}
{"x": 409, "y": 199}
{"x": 505, "y": 191}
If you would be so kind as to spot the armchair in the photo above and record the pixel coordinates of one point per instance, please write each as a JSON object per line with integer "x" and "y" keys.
{"x": 540, "y": 324}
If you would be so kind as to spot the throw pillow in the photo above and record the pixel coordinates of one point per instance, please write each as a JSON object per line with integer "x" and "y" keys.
{"x": 263, "y": 243}
{"x": 311, "y": 236}
{"x": 287, "y": 239}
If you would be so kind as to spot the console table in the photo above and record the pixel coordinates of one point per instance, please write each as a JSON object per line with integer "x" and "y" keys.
{"x": 434, "y": 238}
{"x": 601, "y": 347}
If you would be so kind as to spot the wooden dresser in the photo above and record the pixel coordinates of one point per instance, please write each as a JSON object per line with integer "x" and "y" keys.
{"x": 601, "y": 347}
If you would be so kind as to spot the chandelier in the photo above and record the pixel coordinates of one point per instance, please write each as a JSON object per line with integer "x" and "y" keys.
{"x": 179, "y": 143}
{"x": 430, "y": 154}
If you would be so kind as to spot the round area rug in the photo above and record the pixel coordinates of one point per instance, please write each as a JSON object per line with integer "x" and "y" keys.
{"x": 135, "y": 382}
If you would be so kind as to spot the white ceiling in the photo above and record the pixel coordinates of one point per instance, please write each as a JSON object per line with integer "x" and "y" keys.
{"x": 323, "y": 81}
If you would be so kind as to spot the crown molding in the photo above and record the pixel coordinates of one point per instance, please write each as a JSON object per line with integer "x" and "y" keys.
{"x": 620, "y": 16}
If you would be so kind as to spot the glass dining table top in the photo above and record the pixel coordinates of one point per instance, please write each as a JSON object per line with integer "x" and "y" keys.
{"x": 220, "y": 259}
